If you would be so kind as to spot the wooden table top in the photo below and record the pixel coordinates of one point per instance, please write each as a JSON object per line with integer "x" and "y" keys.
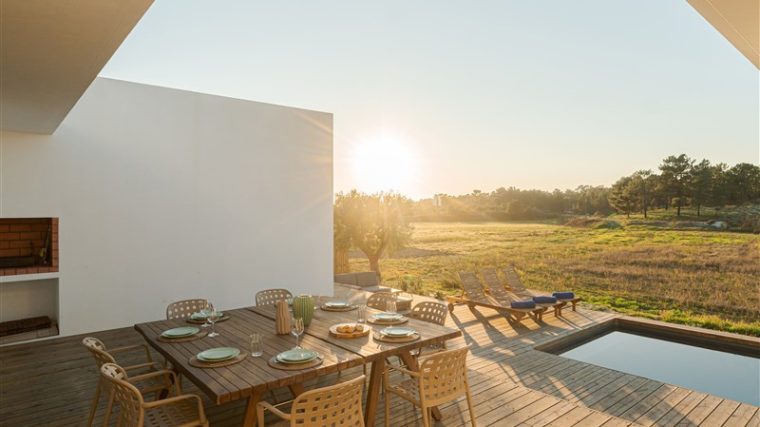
{"x": 367, "y": 347}
{"x": 240, "y": 380}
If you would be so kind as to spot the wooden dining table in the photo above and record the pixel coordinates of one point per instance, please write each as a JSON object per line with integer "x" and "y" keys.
{"x": 252, "y": 377}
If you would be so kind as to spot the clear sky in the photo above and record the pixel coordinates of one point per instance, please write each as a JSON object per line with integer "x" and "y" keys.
{"x": 469, "y": 95}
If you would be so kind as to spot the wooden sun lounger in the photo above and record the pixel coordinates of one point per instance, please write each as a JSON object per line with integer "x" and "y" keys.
{"x": 514, "y": 283}
{"x": 500, "y": 294}
{"x": 473, "y": 295}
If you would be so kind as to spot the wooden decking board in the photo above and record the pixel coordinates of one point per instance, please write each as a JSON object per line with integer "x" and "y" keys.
{"x": 703, "y": 410}
{"x": 642, "y": 406}
{"x": 511, "y": 383}
{"x": 741, "y": 416}
{"x": 656, "y": 411}
{"x": 721, "y": 413}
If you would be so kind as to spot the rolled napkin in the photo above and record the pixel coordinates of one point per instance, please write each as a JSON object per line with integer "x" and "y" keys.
{"x": 564, "y": 295}
{"x": 542, "y": 299}
{"x": 523, "y": 304}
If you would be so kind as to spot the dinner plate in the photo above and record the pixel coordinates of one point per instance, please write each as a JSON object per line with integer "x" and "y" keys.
{"x": 336, "y": 304}
{"x": 397, "y": 331}
{"x": 201, "y": 316}
{"x": 297, "y": 355}
{"x": 182, "y": 332}
{"x": 218, "y": 354}
{"x": 387, "y": 316}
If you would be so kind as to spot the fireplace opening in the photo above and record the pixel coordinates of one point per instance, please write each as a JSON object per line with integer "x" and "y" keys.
{"x": 28, "y": 246}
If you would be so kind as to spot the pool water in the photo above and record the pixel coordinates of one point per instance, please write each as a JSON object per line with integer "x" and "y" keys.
{"x": 719, "y": 373}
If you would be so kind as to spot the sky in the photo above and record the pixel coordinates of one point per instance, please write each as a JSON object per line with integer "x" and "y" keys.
{"x": 449, "y": 96}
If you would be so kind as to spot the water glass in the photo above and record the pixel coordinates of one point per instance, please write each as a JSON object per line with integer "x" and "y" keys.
{"x": 361, "y": 314}
{"x": 390, "y": 306}
{"x": 257, "y": 347}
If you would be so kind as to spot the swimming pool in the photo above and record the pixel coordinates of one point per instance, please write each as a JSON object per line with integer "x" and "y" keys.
{"x": 682, "y": 356}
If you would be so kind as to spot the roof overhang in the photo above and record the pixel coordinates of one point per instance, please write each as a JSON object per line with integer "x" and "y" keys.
{"x": 51, "y": 51}
{"x": 737, "y": 20}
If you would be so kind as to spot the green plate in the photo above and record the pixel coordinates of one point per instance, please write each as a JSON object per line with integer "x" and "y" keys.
{"x": 201, "y": 316}
{"x": 387, "y": 316}
{"x": 397, "y": 331}
{"x": 336, "y": 304}
{"x": 218, "y": 354}
{"x": 297, "y": 355}
{"x": 182, "y": 332}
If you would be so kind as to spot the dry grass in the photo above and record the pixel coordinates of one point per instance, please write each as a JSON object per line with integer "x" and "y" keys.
{"x": 703, "y": 278}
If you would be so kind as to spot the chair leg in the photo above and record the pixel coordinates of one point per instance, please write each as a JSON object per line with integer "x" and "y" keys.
{"x": 109, "y": 407}
{"x": 260, "y": 415}
{"x": 469, "y": 407}
{"x": 425, "y": 417}
{"x": 94, "y": 404}
{"x": 387, "y": 399}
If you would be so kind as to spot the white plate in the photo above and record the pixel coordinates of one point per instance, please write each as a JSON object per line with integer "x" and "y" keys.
{"x": 336, "y": 304}
{"x": 397, "y": 331}
{"x": 297, "y": 355}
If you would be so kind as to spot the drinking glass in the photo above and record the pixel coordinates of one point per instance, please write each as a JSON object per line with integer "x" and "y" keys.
{"x": 213, "y": 316}
{"x": 390, "y": 306}
{"x": 257, "y": 348}
{"x": 361, "y": 314}
{"x": 205, "y": 311}
{"x": 297, "y": 329}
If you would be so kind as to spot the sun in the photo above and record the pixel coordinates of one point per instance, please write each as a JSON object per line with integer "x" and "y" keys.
{"x": 384, "y": 162}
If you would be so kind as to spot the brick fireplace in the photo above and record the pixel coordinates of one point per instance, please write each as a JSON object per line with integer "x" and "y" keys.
{"x": 28, "y": 246}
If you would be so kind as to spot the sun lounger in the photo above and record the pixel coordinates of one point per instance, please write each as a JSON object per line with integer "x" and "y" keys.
{"x": 473, "y": 295}
{"x": 495, "y": 287}
{"x": 515, "y": 284}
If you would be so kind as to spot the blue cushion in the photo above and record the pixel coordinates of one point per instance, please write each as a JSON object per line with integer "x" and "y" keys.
{"x": 563, "y": 295}
{"x": 544, "y": 300}
{"x": 523, "y": 304}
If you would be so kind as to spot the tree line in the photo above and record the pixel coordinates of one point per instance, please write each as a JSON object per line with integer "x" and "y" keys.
{"x": 679, "y": 182}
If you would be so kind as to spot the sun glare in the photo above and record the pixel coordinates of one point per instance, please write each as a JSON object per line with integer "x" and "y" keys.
{"x": 384, "y": 162}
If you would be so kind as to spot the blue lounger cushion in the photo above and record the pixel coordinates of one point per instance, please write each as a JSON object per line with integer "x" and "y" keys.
{"x": 564, "y": 295}
{"x": 523, "y": 304}
{"x": 544, "y": 300}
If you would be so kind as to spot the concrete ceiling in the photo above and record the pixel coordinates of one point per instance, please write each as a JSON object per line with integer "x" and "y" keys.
{"x": 50, "y": 52}
{"x": 737, "y": 20}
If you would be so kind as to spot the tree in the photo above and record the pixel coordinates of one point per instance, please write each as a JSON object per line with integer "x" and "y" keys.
{"x": 622, "y": 195}
{"x": 374, "y": 223}
{"x": 675, "y": 176}
{"x": 744, "y": 182}
{"x": 640, "y": 182}
{"x": 700, "y": 180}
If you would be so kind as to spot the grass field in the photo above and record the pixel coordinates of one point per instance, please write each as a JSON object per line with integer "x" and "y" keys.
{"x": 701, "y": 278}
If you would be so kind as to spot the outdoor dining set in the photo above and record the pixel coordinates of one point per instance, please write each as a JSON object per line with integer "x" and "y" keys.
{"x": 283, "y": 342}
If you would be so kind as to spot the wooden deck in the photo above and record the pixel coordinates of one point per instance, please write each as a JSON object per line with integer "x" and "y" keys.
{"x": 52, "y": 383}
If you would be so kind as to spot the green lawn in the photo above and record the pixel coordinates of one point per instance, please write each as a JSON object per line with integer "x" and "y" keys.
{"x": 702, "y": 278}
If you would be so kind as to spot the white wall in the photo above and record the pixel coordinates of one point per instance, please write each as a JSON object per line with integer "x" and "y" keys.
{"x": 19, "y": 300}
{"x": 165, "y": 194}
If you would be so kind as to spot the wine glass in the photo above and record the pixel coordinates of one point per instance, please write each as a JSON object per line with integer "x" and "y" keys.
{"x": 212, "y": 317}
{"x": 205, "y": 310}
{"x": 297, "y": 329}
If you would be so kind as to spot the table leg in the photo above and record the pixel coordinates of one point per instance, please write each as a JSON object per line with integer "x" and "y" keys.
{"x": 250, "y": 410}
{"x": 373, "y": 393}
{"x": 296, "y": 389}
{"x": 411, "y": 363}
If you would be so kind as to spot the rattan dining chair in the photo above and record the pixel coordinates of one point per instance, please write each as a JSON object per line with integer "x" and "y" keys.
{"x": 103, "y": 356}
{"x": 379, "y": 300}
{"x": 441, "y": 378}
{"x": 182, "y": 409}
{"x": 336, "y": 405}
{"x": 185, "y": 308}
{"x": 433, "y": 312}
{"x": 271, "y": 296}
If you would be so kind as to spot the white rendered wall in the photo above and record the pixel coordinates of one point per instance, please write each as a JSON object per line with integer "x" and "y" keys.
{"x": 165, "y": 194}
